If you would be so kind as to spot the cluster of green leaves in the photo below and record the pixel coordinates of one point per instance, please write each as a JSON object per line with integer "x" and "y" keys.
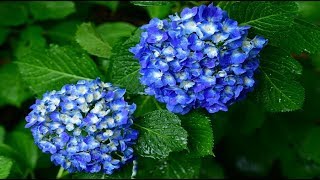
{"x": 52, "y": 44}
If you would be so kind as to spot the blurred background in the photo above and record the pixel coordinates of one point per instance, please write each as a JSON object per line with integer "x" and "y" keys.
{"x": 249, "y": 142}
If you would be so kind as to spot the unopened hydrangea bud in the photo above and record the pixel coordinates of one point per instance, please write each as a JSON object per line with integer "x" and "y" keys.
{"x": 201, "y": 58}
{"x": 84, "y": 126}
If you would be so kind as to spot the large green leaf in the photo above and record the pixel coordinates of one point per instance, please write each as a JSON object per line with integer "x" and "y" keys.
{"x": 30, "y": 38}
{"x": 91, "y": 41}
{"x": 200, "y": 135}
{"x": 5, "y": 167}
{"x": 265, "y": 18}
{"x": 176, "y": 166}
{"x": 124, "y": 68}
{"x": 302, "y": 36}
{"x": 146, "y": 104}
{"x": 51, "y": 69}
{"x": 51, "y": 10}
{"x": 278, "y": 90}
{"x": 160, "y": 133}
{"x": 150, "y": 3}
{"x": 13, "y": 13}
{"x": 111, "y": 32}
{"x": 24, "y": 144}
{"x": 13, "y": 91}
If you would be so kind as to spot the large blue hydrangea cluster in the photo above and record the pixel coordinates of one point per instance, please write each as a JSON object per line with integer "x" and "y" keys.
{"x": 201, "y": 58}
{"x": 85, "y": 126}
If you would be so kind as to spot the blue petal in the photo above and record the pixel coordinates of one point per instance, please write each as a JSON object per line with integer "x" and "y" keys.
{"x": 238, "y": 57}
{"x": 188, "y": 13}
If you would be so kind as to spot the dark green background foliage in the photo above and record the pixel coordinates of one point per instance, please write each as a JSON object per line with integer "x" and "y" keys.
{"x": 275, "y": 132}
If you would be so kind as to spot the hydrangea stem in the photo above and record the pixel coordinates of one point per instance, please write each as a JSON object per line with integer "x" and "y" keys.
{"x": 60, "y": 173}
{"x": 134, "y": 169}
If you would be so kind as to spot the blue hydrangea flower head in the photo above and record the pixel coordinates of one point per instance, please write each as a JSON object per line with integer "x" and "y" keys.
{"x": 84, "y": 126}
{"x": 200, "y": 59}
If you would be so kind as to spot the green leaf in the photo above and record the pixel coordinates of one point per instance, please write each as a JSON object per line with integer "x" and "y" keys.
{"x": 160, "y": 134}
{"x": 90, "y": 41}
{"x": 112, "y": 5}
{"x": 13, "y": 90}
{"x": 294, "y": 167}
{"x": 30, "y": 38}
{"x": 302, "y": 36}
{"x": 265, "y": 18}
{"x": 111, "y": 32}
{"x": 160, "y": 12}
{"x": 176, "y": 166}
{"x": 2, "y": 133}
{"x": 25, "y": 145}
{"x": 146, "y": 104}
{"x": 124, "y": 68}
{"x": 200, "y": 135}
{"x": 9, "y": 152}
{"x": 51, "y": 10}
{"x": 211, "y": 169}
{"x": 13, "y": 13}
{"x": 5, "y": 167}
{"x": 3, "y": 34}
{"x": 123, "y": 173}
{"x": 231, "y": 126}
{"x": 150, "y": 3}
{"x": 53, "y": 68}
{"x": 309, "y": 10}
{"x": 64, "y": 32}
{"x": 311, "y": 144}
{"x": 278, "y": 90}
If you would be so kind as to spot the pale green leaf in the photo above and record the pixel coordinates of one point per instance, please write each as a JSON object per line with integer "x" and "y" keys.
{"x": 111, "y": 32}
{"x": 5, "y": 167}
{"x": 278, "y": 90}
{"x": 160, "y": 133}
{"x": 51, "y": 69}
{"x": 91, "y": 41}
{"x": 13, "y": 91}
{"x": 200, "y": 135}
{"x": 124, "y": 67}
{"x": 51, "y": 9}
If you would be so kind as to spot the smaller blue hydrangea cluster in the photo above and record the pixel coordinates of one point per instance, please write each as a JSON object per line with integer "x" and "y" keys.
{"x": 201, "y": 58}
{"x": 85, "y": 126}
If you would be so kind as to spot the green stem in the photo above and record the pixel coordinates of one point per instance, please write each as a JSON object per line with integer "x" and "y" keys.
{"x": 60, "y": 172}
